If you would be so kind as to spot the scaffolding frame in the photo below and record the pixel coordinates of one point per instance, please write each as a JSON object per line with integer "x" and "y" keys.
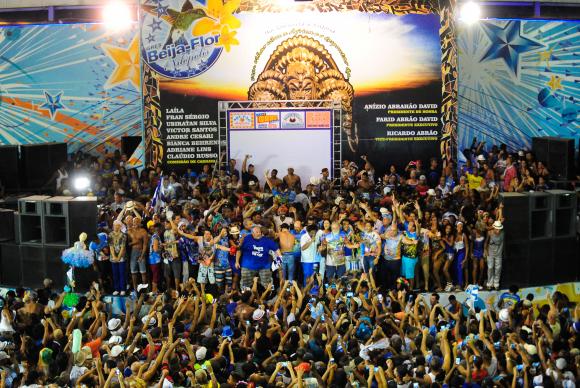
{"x": 224, "y": 107}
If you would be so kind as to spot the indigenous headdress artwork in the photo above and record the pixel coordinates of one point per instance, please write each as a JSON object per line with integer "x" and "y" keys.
{"x": 300, "y": 68}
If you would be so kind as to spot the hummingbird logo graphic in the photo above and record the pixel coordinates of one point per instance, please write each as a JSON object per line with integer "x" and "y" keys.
{"x": 193, "y": 35}
{"x": 179, "y": 21}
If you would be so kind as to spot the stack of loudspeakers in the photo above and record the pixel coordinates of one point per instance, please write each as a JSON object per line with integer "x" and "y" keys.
{"x": 44, "y": 227}
{"x": 541, "y": 244}
{"x": 30, "y": 166}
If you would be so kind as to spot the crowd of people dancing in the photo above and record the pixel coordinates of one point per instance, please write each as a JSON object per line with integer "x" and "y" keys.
{"x": 233, "y": 278}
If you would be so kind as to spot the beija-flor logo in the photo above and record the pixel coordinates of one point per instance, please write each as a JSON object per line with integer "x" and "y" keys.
{"x": 182, "y": 39}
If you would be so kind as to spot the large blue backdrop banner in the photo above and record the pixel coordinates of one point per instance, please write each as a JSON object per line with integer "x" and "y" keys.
{"x": 518, "y": 79}
{"x": 77, "y": 83}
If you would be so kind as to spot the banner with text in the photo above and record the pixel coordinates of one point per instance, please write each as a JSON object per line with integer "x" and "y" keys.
{"x": 384, "y": 69}
{"x": 297, "y": 138}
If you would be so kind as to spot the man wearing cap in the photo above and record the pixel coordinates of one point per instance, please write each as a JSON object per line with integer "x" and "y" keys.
{"x": 253, "y": 258}
{"x": 324, "y": 183}
{"x": 494, "y": 254}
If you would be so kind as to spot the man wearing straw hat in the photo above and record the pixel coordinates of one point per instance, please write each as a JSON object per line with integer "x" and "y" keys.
{"x": 494, "y": 253}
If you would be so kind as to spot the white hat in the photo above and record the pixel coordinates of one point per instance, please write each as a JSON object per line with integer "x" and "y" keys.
{"x": 4, "y": 355}
{"x": 205, "y": 213}
{"x": 520, "y": 153}
{"x": 383, "y": 210}
{"x": 115, "y": 340}
{"x": 504, "y": 315}
{"x": 116, "y": 351}
{"x": 258, "y": 314}
{"x": 531, "y": 349}
{"x": 481, "y": 158}
{"x": 422, "y": 177}
{"x": 431, "y": 192}
{"x": 201, "y": 353}
{"x": 337, "y": 200}
{"x": 314, "y": 180}
{"x": 386, "y": 190}
{"x": 113, "y": 324}
{"x": 152, "y": 321}
{"x": 497, "y": 225}
{"x": 561, "y": 363}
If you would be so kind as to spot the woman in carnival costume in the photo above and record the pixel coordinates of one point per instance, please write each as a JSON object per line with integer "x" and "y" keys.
{"x": 78, "y": 256}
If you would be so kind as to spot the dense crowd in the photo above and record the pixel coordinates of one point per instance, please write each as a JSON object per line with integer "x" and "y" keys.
{"x": 234, "y": 279}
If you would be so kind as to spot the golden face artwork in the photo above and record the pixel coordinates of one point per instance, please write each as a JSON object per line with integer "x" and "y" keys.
{"x": 300, "y": 68}
{"x": 301, "y": 81}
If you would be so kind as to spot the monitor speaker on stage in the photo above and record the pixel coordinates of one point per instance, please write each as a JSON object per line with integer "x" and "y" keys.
{"x": 10, "y": 171}
{"x": 557, "y": 153}
{"x": 56, "y": 221}
{"x": 30, "y": 213}
{"x": 564, "y": 208}
{"x": 540, "y": 215}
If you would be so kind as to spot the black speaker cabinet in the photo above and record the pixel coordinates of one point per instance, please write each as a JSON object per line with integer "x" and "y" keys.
{"x": 82, "y": 213}
{"x": 565, "y": 210}
{"x": 10, "y": 170}
{"x": 30, "y": 215}
{"x": 541, "y": 262}
{"x": 40, "y": 162}
{"x": 56, "y": 221}
{"x": 7, "y": 225}
{"x": 516, "y": 213}
{"x": 540, "y": 215}
{"x": 557, "y": 153}
{"x": 55, "y": 268}
{"x": 515, "y": 264}
{"x": 10, "y": 265}
{"x": 33, "y": 265}
{"x": 566, "y": 254}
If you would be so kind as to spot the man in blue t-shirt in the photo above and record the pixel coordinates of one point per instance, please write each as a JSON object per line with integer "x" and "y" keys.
{"x": 253, "y": 258}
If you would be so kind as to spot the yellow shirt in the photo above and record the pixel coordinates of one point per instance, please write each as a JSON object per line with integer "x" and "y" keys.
{"x": 474, "y": 181}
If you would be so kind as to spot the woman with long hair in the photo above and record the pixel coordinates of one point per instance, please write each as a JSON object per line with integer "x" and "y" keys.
{"x": 461, "y": 246}
{"x": 437, "y": 249}
{"x": 425, "y": 254}
{"x": 448, "y": 240}
{"x": 409, "y": 252}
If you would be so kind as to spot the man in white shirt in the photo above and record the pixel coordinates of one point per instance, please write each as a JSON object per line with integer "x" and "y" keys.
{"x": 309, "y": 258}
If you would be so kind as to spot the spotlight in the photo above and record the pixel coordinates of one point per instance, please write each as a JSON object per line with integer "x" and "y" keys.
{"x": 82, "y": 183}
{"x": 117, "y": 15}
{"x": 470, "y": 12}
